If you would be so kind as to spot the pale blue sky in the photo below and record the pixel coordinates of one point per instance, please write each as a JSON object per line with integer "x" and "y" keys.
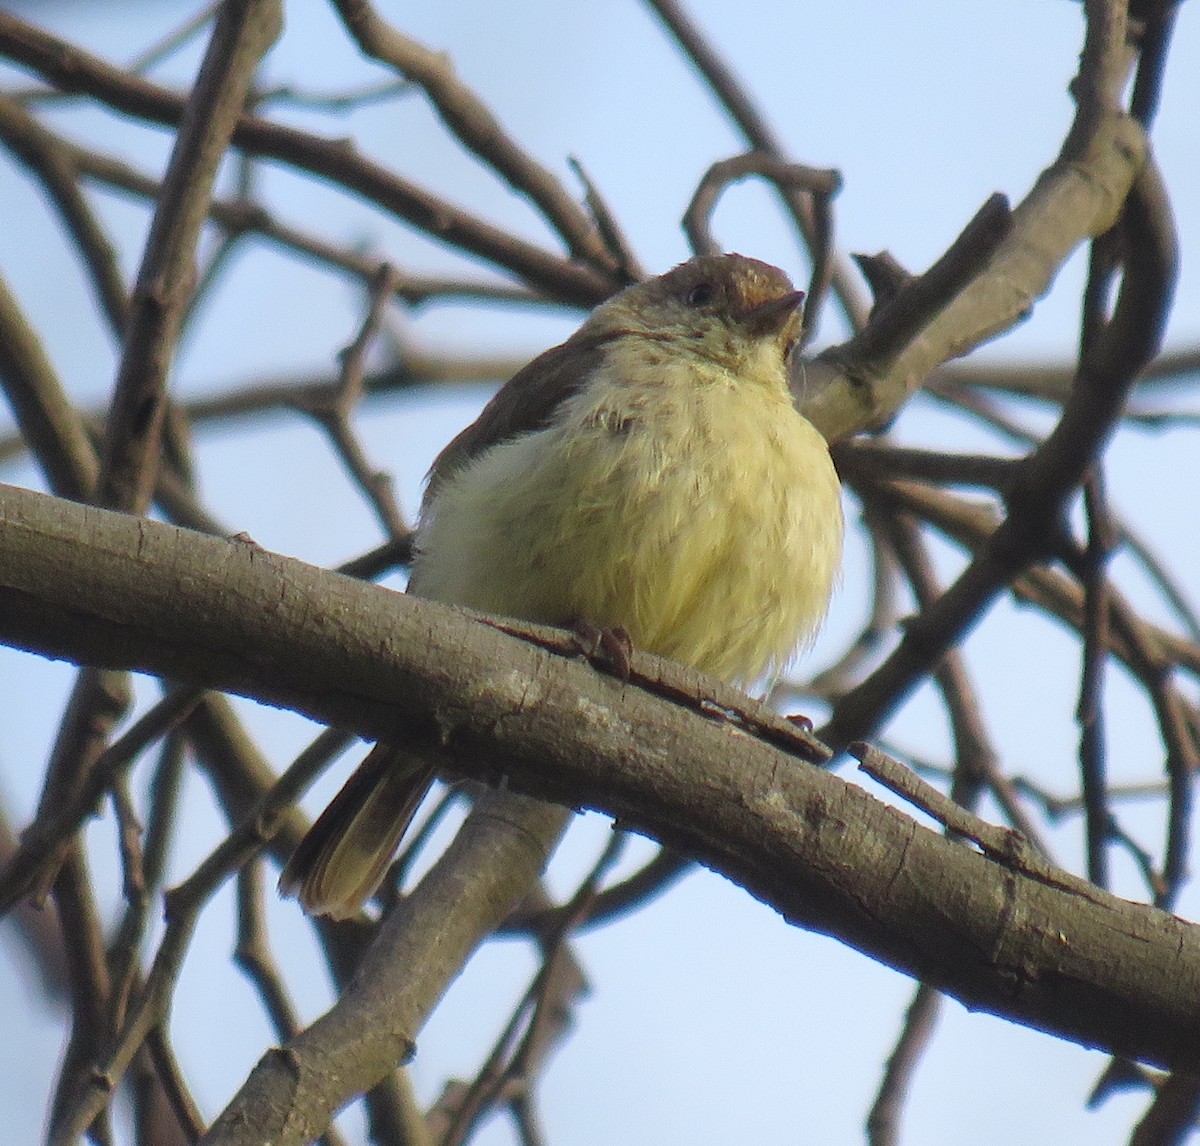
{"x": 711, "y": 1021}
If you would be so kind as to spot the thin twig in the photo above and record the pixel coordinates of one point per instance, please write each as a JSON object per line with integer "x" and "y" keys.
{"x": 610, "y": 903}
{"x": 1090, "y": 710}
{"x": 52, "y": 164}
{"x": 819, "y": 184}
{"x": 253, "y": 952}
{"x": 333, "y": 413}
{"x": 538, "y": 1019}
{"x": 184, "y": 904}
{"x": 759, "y": 135}
{"x": 469, "y": 119}
{"x": 920, "y": 1020}
{"x": 976, "y": 760}
{"x": 606, "y": 223}
{"x": 32, "y": 865}
{"x": 172, "y": 1084}
{"x": 174, "y": 40}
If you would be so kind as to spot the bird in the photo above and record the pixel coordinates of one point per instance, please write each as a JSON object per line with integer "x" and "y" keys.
{"x": 650, "y": 477}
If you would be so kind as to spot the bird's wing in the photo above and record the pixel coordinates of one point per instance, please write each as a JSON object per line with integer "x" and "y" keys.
{"x": 525, "y": 403}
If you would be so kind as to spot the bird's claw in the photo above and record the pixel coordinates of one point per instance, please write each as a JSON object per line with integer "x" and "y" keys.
{"x": 606, "y": 649}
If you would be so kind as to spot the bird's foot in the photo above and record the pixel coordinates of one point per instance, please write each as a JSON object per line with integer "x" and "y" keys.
{"x": 606, "y": 649}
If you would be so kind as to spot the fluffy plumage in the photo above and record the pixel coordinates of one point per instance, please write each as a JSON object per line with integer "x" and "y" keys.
{"x": 653, "y": 474}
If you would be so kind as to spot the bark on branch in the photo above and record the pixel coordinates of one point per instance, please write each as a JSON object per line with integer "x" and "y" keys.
{"x": 1001, "y": 933}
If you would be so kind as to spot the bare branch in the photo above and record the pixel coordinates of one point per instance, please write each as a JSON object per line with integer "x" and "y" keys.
{"x": 73, "y": 69}
{"x": 759, "y": 135}
{"x": 756, "y": 820}
{"x": 471, "y": 121}
{"x": 820, "y": 186}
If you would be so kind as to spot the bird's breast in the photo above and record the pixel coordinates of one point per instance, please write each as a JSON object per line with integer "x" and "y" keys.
{"x": 702, "y": 516}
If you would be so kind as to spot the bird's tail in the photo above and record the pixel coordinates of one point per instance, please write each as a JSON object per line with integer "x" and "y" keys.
{"x": 339, "y": 863}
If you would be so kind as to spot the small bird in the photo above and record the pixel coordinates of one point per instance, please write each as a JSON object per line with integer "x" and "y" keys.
{"x": 650, "y": 476}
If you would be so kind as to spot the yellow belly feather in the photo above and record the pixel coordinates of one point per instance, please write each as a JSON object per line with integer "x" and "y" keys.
{"x": 701, "y": 516}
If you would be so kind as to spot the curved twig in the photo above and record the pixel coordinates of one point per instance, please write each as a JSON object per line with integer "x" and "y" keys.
{"x": 819, "y": 184}
{"x": 760, "y": 136}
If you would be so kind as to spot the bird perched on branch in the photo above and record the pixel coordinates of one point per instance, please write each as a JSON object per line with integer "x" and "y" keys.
{"x": 650, "y": 476}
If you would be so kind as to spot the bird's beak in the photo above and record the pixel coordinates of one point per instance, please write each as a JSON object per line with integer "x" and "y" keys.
{"x": 772, "y": 316}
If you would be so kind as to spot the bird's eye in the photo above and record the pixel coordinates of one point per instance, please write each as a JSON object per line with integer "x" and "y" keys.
{"x": 700, "y": 295}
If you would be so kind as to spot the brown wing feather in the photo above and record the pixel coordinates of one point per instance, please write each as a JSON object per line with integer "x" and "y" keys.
{"x": 526, "y": 402}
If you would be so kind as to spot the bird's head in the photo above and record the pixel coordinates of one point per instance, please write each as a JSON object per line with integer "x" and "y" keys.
{"x": 735, "y": 311}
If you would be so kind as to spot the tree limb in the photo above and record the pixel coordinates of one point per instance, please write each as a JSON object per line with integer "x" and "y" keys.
{"x": 1002, "y": 932}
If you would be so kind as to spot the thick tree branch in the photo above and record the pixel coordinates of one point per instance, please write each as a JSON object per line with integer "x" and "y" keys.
{"x": 1002, "y": 932}
{"x": 1078, "y": 197}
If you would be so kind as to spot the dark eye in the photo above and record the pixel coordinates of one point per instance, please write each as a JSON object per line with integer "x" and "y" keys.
{"x": 700, "y": 295}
